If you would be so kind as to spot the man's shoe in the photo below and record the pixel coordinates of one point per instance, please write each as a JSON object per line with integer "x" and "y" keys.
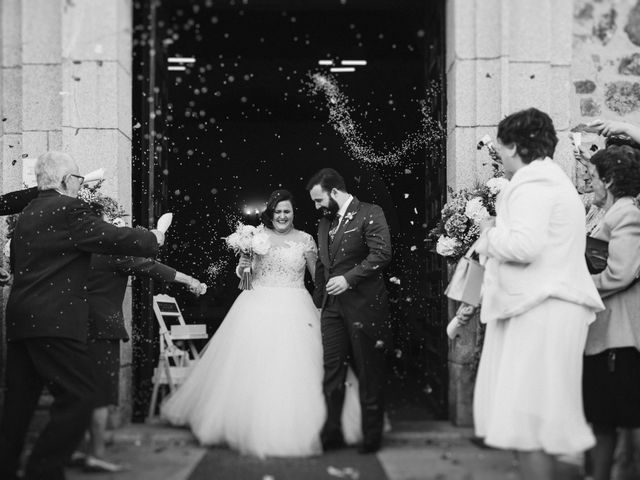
{"x": 78, "y": 459}
{"x": 334, "y": 443}
{"x": 369, "y": 447}
{"x": 95, "y": 464}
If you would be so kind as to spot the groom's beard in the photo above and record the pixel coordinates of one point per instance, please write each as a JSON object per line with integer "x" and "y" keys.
{"x": 331, "y": 211}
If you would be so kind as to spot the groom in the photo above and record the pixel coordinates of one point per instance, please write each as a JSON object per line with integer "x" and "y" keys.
{"x": 355, "y": 246}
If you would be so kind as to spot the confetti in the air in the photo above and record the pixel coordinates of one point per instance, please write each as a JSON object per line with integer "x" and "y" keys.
{"x": 359, "y": 148}
{"x": 216, "y": 268}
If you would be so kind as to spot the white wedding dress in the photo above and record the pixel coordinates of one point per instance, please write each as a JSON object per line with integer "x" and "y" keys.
{"x": 258, "y": 385}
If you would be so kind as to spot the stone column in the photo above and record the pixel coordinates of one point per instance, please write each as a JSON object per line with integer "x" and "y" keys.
{"x": 66, "y": 85}
{"x": 96, "y": 114}
{"x": 502, "y": 56}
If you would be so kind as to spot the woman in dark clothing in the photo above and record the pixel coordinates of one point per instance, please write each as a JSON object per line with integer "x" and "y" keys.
{"x": 107, "y": 286}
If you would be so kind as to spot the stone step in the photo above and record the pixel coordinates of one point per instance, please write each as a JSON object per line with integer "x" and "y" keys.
{"x": 414, "y": 433}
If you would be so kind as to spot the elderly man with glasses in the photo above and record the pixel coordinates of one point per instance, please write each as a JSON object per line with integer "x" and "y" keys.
{"x": 47, "y": 316}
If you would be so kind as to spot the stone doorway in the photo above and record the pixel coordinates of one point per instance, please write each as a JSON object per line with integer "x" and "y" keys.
{"x": 212, "y": 141}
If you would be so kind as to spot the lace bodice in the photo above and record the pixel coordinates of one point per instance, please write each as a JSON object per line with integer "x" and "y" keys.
{"x": 285, "y": 262}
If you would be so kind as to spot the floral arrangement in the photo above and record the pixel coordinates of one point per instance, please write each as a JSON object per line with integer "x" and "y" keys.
{"x": 248, "y": 240}
{"x": 459, "y": 225}
{"x": 459, "y": 228}
{"x": 112, "y": 210}
{"x": 496, "y": 161}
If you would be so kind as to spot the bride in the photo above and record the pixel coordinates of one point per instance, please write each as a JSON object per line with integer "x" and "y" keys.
{"x": 258, "y": 385}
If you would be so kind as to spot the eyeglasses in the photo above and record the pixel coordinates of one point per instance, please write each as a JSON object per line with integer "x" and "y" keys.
{"x": 77, "y": 176}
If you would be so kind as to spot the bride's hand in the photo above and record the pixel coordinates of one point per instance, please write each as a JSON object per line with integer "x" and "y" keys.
{"x": 245, "y": 261}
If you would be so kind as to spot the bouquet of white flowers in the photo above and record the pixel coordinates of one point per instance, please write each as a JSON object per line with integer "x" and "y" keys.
{"x": 459, "y": 225}
{"x": 461, "y": 216}
{"x": 248, "y": 240}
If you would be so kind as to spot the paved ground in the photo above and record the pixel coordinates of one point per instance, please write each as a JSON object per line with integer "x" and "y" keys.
{"x": 423, "y": 451}
{"x": 223, "y": 464}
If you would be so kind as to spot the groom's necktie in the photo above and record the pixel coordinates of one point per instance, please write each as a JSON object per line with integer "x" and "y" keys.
{"x": 335, "y": 223}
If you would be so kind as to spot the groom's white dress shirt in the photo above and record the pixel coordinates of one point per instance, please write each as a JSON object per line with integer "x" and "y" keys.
{"x": 343, "y": 210}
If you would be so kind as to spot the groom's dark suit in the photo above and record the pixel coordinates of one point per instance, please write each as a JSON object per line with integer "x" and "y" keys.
{"x": 354, "y": 323}
{"x": 47, "y": 316}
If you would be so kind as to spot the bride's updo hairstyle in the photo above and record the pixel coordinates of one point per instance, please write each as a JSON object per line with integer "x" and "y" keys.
{"x": 531, "y": 131}
{"x": 274, "y": 199}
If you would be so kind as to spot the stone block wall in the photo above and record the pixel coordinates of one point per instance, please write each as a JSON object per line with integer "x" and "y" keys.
{"x": 605, "y": 70}
{"x": 503, "y": 56}
{"x": 65, "y": 84}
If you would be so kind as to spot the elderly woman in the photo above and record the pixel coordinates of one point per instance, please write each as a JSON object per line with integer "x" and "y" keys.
{"x": 538, "y": 301}
{"x": 612, "y": 362}
{"x": 616, "y": 134}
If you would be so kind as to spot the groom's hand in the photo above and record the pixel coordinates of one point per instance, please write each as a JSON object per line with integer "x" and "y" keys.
{"x": 337, "y": 285}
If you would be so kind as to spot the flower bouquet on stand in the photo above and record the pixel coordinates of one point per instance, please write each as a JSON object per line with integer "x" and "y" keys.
{"x": 248, "y": 240}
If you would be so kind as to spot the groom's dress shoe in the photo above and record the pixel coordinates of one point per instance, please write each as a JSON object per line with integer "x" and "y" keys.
{"x": 334, "y": 443}
{"x": 369, "y": 447}
{"x": 77, "y": 459}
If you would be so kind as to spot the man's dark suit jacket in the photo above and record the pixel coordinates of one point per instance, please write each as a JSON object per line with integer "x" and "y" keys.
{"x": 107, "y": 285}
{"x": 14, "y": 202}
{"x": 360, "y": 251}
{"x": 51, "y": 251}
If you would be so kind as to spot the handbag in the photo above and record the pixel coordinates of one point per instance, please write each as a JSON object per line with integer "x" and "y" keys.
{"x": 466, "y": 282}
{"x": 596, "y": 254}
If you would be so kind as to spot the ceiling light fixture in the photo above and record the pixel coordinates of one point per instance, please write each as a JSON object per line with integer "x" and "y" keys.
{"x": 342, "y": 69}
{"x": 181, "y": 60}
{"x": 325, "y": 62}
{"x": 353, "y": 62}
{"x": 176, "y": 68}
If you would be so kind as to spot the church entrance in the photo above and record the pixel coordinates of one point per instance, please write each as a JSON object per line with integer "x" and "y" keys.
{"x": 234, "y": 99}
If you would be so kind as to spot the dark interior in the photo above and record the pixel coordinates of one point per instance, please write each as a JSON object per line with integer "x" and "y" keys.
{"x": 242, "y": 121}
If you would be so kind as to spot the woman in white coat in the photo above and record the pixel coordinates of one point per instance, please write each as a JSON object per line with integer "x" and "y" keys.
{"x": 538, "y": 302}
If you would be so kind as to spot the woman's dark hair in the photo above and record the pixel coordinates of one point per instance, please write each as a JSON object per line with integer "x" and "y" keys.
{"x": 532, "y": 132}
{"x": 621, "y": 166}
{"x": 615, "y": 140}
{"x": 328, "y": 179}
{"x": 274, "y": 199}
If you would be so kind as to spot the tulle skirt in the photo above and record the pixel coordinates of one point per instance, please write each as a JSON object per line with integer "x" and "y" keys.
{"x": 257, "y": 387}
{"x": 528, "y": 393}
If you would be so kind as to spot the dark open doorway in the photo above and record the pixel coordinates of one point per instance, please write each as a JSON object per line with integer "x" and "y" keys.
{"x": 242, "y": 121}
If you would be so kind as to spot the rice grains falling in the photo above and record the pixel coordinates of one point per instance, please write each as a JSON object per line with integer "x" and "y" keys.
{"x": 430, "y": 132}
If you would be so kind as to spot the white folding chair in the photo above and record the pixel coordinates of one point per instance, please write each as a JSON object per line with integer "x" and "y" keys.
{"x": 174, "y": 363}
